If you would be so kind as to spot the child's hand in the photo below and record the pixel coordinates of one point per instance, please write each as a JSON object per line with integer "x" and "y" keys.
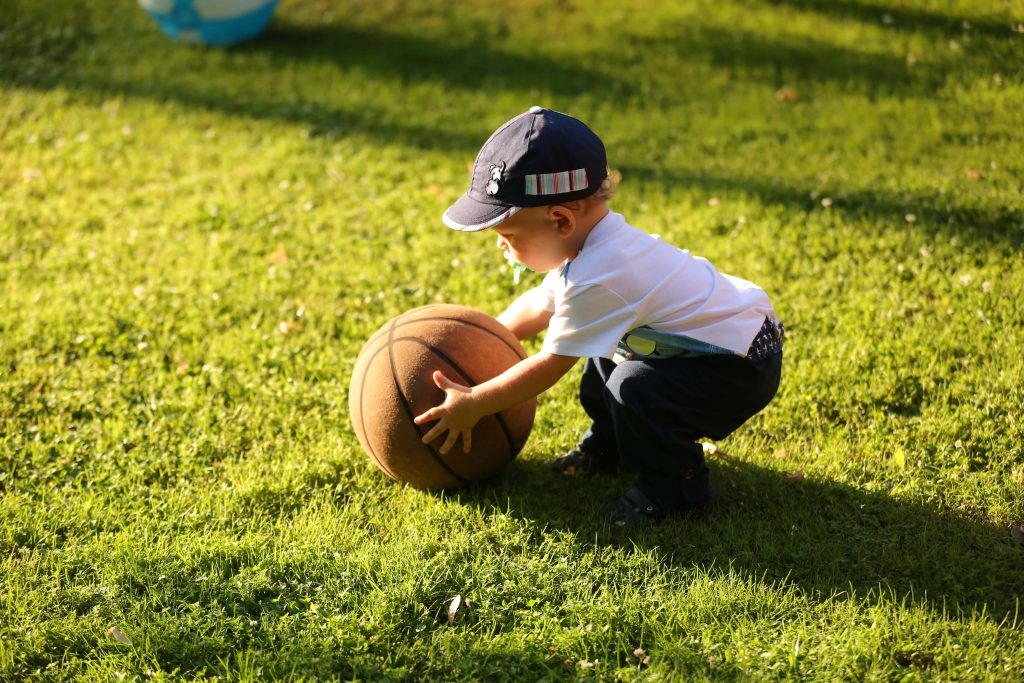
{"x": 457, "y": 415}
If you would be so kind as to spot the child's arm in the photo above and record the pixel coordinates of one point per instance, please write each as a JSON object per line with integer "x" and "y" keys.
{"x": 464, "y": 406}
{"x": 526, "y": 316}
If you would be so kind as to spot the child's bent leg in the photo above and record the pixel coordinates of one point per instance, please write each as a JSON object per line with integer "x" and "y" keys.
{"x": 599, "y": 439}
{"x": 660, "y": 408}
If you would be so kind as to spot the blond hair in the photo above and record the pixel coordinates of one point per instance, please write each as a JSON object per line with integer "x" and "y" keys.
{"x": 609, "y": 186}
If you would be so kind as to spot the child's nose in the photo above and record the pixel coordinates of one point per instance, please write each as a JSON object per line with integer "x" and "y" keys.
{"x": 501, "y": 243}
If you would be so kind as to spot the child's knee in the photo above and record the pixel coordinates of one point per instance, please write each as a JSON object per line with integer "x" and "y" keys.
{"x": 629, "y": 384}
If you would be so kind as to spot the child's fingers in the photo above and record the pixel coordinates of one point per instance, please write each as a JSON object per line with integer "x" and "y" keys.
{"x": 467, "y": 441}
{"x": 434, "y": 432}
{"x": 450, "y": 441}
{"x": 445, "y": 384}
{"x": 426, "y": 417}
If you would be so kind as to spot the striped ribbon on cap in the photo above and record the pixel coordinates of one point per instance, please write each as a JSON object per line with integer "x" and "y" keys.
{"x": 556, "y": 183}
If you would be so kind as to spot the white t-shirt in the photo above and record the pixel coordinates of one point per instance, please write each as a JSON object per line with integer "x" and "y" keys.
{"x": 624, "y": 278}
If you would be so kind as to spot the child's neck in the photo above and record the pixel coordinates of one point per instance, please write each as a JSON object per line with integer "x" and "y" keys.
{"x": 589, "y": 215}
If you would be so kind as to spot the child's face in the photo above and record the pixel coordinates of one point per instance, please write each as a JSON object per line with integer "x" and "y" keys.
{"x": 533, "y": 239}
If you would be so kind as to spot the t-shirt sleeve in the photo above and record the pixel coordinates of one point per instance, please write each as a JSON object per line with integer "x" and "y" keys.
{"x": 546, "y": 290}
{"x": 588, "y": 322}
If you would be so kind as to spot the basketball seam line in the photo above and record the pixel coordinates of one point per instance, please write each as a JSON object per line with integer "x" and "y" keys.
{"x": 456, "y": 320}
{"x": 408, "y": 408}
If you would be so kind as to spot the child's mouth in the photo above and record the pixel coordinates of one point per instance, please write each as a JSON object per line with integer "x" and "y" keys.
{"x": 517, "y": 267}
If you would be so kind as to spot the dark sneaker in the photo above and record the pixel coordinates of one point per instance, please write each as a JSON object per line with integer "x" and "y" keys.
{"x": 579, "y": 462}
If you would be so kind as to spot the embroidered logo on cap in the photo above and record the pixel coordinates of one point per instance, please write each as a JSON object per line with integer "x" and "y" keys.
{"x": 556, "y": 183}
{"x": 495, "y": 182}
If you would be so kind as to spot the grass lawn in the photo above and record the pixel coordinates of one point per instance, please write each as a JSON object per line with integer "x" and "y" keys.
{"x": 194, "y": 244}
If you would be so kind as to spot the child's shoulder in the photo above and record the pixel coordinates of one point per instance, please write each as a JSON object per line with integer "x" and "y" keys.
{"x": 620, "y": 253}
{"x": 626, "y": 239}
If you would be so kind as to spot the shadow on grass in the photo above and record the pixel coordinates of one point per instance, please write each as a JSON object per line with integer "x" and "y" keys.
{"x": 345, "y": 659}
{"x": 791, "y": 60}
{"x": 824, "y": 537}
{"x": 458, "y": 64}
{"x": 936, "y": 215}
{"x": 903, "y": 18}
{"x": 324, "y": 119}
{"x": 42, "y": 52}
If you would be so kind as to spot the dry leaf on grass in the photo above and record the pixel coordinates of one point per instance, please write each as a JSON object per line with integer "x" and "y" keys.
{"x": 713, "y": 449}
{"x": 795, "y": 476}
{"x": 116, "y": 633}
{"x": 453, "y": 608}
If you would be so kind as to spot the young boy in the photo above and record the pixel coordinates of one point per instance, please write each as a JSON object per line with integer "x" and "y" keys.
{"x": 675, "y": 350}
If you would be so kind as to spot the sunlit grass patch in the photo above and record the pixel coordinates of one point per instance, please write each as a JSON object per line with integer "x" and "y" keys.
{"x": 195, "y": 243}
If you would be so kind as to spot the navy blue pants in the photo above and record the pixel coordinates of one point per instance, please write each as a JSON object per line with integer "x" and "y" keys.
{"x": 648, "y": 414}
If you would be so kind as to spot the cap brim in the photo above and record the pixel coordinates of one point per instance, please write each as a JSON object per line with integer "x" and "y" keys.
{"x": 469, "y": 215}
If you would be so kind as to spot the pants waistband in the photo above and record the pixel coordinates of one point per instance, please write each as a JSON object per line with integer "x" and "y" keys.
{"x": 644, "y": 343}
{"x": 768, "y": 340}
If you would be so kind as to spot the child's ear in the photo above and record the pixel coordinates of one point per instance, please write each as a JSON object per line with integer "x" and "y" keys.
{"x": 563, "y": 218}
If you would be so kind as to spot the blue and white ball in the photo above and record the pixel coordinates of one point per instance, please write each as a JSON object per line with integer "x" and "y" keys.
{"x": 214, "y": 22}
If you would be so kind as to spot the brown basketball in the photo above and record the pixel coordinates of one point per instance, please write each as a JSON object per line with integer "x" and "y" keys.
{"x": 393, "y": 382}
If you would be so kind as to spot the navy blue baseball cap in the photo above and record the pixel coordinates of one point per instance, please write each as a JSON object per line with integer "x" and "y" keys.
{"x": 540, "y": 157}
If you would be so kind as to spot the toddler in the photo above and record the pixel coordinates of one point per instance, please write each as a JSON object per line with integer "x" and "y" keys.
{"x": 675, "y": 350}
